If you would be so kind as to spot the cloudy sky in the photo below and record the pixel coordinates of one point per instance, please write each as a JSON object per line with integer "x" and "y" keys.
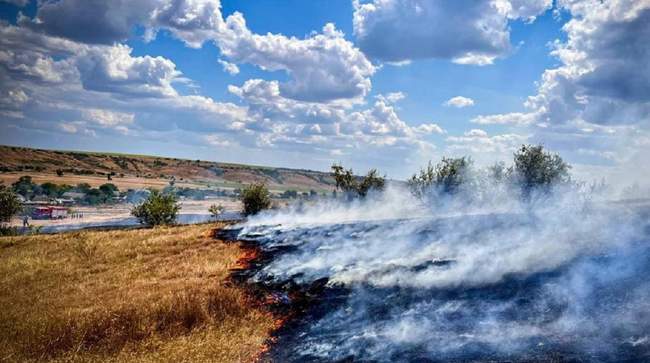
{"x": 372, "y": 83}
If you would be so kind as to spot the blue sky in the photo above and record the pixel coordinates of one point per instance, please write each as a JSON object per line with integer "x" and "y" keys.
{"x": 375, "y": 83}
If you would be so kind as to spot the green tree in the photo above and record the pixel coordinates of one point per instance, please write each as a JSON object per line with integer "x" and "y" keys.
{"x": 157, "y": 209}
{"x": 372, "y": 181}
{"x": 50, "y": 189}
{"x": 536, "y": 169}
{"x": 349, "y": 184}
{"x": 255, "y": 197}
{"x": 109, "y": 189}
{"x": 9, "y": 204}
{"x": 94, "y": 196}
{"x": 83, "y": 187}
{"x": 25, "y": 187}
{"x": 344, "y": 178}
{"x": 447, "y": 176}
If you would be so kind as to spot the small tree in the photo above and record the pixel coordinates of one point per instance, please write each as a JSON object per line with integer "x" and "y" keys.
{"x": 421, "y": 184}
{"x": 536, "y": 169}
{"x": 255, "y": 197}
{"x": 9, "y": 204}
{"x": 157, "y": 209}
{"x": 109, "y": 189}
{"x": 372, "y": 181}
{"x": 349, "y": 184}
{"x": 344, "y": 178}
{"x": 25, "y": 187}
{"x": 216, "y": 210}
{"x": 448, "y": 175}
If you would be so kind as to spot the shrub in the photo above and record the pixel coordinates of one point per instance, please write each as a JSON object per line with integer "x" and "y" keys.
{"x": 255, "y": 197}
{"x": 349, "y": 184}
{"x": 216, "y": 210}
{"x": 9, "y": 204}
{"x": 448, "y": 175}
{"x": 536, "y": 169}
{"x": 157, "y": 209}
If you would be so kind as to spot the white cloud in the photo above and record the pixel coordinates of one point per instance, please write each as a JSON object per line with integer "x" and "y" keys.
{"x": 459, "y": 102}
{"x": 597, "y": 100}
{"x": 429, "y": 129}
{"x": 114, "y": 69}
{"x": 68, "y": 127}
{"x": 322, "y": 67}
{"x": 392, "y": 97}
{"x": 486, "y": 148}
{"x": 513, "y": 118}
{"x": 218, "y": 140}
{"x": 230, "y": 68}
{"x": 465, "y": 31}
{"x": 107, "y": 117}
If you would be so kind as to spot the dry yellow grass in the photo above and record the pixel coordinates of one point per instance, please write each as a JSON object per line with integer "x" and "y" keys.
{"x": 125, "y": 296}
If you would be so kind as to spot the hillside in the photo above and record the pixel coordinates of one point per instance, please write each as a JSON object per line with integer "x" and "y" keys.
{"x": 137, "y": 171}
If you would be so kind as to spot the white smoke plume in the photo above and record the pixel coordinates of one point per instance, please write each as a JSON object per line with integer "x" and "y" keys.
{"x": 480, "y": 275}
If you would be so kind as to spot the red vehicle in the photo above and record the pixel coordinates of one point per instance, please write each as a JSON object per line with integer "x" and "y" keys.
{"x": 50, "y": 213}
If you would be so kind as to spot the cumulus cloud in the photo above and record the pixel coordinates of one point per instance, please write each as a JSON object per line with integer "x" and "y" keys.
{"x": 604, "y": 76}
{"x": 107, "y": 117}
{"x": 230, "y": 68}
{"x": 486, "y": 148}
{"x": 280, "y": 119}
{"x": 597, "y": 100}
{"x": 321, "y": 67}
{"x": 467, "y": 32}
{"x": 90, "y": 21}
{"x": 392, "y": 97}
{"x": 459, "y": 102}
{"x": 113, "y": 69}
{"x": 429, "y": 129}
{"x": 513, "y": 118}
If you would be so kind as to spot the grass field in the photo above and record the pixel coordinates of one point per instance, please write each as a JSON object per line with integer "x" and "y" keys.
{"x": 125, "y": 296}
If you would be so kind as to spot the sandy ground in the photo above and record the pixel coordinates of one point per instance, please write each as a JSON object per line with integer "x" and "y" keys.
{"x": 192, "y": 211}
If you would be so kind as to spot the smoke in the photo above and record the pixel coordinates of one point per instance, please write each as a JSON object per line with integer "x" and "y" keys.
{"x": 481, "y": 275}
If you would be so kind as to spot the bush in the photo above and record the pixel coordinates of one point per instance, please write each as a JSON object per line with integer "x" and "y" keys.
{"x": 349, "y": 184}
{"x": 447, "y": 176}
{"x": 9, "y": 204}
{"x": 216, "y": 210}
{"x": 536, "y": 169}
{"x": 157, "y": 209}
{"x": 255, "y": 197}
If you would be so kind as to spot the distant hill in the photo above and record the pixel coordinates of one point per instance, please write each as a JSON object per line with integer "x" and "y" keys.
{"x": 133, "y": 171}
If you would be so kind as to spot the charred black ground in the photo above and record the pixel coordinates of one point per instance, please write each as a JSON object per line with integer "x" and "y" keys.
{"x": 328, "y": 321}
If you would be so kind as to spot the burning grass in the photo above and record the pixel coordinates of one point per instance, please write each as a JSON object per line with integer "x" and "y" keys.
{"x": 132, "y": 295}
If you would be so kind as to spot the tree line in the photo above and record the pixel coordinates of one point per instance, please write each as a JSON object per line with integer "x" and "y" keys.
{"x": 533, "y": 170}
